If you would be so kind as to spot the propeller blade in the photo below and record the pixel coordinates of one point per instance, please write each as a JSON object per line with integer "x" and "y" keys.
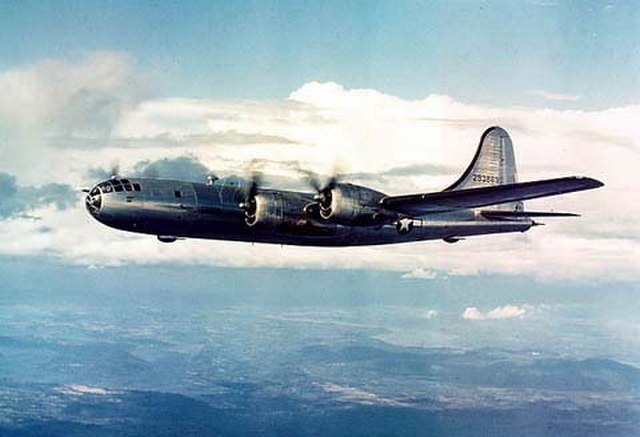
{"x": 314, "y": 181}
{"x": 255, "y": 180}
{"x": 114, "y": 169}
{"x": 332, "y": 182}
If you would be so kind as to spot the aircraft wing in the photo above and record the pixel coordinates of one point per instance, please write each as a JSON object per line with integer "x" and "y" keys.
{"x": 443, "y": 201}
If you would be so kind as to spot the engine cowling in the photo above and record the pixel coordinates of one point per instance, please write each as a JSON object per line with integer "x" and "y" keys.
{"x": 266, "y": 209}
{"x": 352, "y": 205}
{"x": 272, "y": 211}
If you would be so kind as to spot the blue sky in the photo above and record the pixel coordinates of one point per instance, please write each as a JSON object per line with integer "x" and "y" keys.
{"x": 484, "y": 52}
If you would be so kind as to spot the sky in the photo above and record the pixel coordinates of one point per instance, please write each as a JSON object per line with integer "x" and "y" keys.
{"x": 488, "y": 52}
{"x": 395, "y": 93}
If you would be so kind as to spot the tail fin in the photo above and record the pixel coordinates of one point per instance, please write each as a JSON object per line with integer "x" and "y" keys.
{"x": 493, "y": 164}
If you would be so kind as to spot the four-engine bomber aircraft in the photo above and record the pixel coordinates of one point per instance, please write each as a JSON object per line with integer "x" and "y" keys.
{"x": 486, "y": 199}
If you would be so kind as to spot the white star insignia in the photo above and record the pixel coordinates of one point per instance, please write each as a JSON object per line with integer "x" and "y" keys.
{"x": 404, "y": 226}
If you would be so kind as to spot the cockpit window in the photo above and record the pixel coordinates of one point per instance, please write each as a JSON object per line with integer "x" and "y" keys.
{"x": 119, "y": 185}
{"x": 126, "y": 184}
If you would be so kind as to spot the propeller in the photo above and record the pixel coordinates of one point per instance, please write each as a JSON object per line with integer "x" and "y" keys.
{"x": 114, "y": 170}
{"x": 248, "y": 204}
{"x": 323, "y": 191}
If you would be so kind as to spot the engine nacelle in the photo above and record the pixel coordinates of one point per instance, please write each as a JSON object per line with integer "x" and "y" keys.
{"x": 352, "y": 205}
{"x": 167, "y": 238}
{"x": 267, "y": 209}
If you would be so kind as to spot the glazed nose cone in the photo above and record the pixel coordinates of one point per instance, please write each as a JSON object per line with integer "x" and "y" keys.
{"x": 93, "y": 201}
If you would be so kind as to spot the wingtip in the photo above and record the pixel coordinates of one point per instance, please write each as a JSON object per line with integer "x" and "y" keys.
{"x": 595, "y": 183}
{"x": 589, "y": 183}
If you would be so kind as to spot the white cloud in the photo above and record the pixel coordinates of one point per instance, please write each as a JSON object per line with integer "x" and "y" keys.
{"x": 498, "y": 313}
{"x": 430, "y": 314}
{"x": 421, "y": 274}
{"x": 507, "y": 312}
{"x": 51, "y": 105}
{"x": 558, "y": 97}
{"x": 365, "y": 131}
{"x": 79, "y": 389}
{"x": 472, "y": 313}
{"x": 358, "y": 396}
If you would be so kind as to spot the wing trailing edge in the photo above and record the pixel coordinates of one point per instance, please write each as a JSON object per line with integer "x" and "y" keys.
{"x": 444, "y": 201}
{"x": 506, "y": 215}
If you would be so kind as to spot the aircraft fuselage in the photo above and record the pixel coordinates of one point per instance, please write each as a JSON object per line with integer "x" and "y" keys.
{"x": 173, "y": 209}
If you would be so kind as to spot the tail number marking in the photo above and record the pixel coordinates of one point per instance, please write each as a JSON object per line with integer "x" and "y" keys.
{"x": 486, "y": 179}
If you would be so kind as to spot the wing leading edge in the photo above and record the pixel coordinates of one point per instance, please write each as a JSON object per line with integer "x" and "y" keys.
{"x": 444, "y": 201}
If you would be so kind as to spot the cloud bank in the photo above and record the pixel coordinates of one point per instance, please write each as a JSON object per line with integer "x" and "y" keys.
{"x": 16, "y": 201}
{"x": 64, "y": 124}
{"x": 498, "y": 313}
{"x": 558, "y": 97}
{"x": 420, "y": 274}
{"x": 357, "y": 396}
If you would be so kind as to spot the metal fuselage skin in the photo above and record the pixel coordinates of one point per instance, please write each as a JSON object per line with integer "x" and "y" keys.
{"x": 182, "y": 209}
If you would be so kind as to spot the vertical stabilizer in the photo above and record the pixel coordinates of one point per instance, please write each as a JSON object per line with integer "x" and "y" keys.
{"x": 493, "y": 164}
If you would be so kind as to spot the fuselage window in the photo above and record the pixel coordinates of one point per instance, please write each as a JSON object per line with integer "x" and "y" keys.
{"x": 178, "y": 194}
{"x": 136, "y": 187}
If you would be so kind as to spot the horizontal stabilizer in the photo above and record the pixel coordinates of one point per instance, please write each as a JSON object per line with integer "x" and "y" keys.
{"x": 417, "y": 204}
{"x": 504, "y": 215}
